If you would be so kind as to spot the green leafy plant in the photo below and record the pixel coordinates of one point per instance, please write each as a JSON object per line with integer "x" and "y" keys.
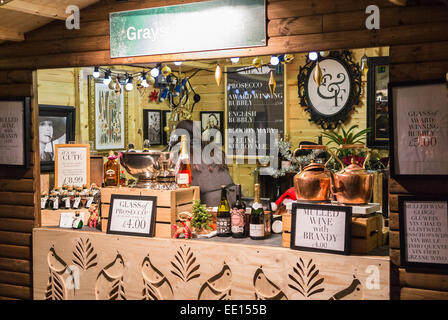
{"x": 201, "y": 217}
{"x": 347, "y": 137}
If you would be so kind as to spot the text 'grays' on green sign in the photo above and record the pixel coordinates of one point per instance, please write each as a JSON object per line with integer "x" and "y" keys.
{"x": 210, "y": 25}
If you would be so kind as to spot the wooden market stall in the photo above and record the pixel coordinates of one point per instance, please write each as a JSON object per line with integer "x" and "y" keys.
{"x": 418, "y": 50}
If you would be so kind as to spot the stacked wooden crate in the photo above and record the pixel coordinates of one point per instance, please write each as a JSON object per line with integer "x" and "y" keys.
{"x": 169, "y": 204}
{"x": 367, "y": 232}
{"x": 50, "y": 218}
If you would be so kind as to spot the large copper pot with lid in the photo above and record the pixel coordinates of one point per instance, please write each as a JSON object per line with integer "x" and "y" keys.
{"x": 353, "y": 184}
{"x": 313, "y": 182}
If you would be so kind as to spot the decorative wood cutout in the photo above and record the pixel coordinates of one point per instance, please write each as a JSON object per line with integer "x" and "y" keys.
{"x": 349, "y": 292}
{"x": 109, "y": 283}
{"x": 156, "y": 285}
{"x": 217, "y": 287}
{"x": 305, "y": 279}
{"x": 56, "y": 289}
{"x": 330, "y": 102}
{"x": 84, "y": 254}
{"x": 184, "y": 265}
{"x": 265, "y": 289}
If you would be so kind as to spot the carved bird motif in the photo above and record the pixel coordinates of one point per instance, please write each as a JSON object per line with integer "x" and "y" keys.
{"x": 265, "y": 289}
{"x": 218, "y": 286}
{"x": 109, "y": 283}
{"x": 352, "y": 292}
{"x": 157, "y": 286}
{"x": 56, "y": 288}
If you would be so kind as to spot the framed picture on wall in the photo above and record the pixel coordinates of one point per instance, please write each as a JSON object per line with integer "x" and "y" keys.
{"x": 212, "y": 126}
{"x": 56, "y": 126}
{"x": 15, "y": 126}
{"x": 419, "y": 129}
{"x": 152, "y": 126}
{"x": 424, "y": 232}
{"x": 378, "y": 102}
{"x": 166, "y": 115}
{"x": 108, "y": 108}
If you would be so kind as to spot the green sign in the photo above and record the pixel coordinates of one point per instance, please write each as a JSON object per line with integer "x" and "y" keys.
{"x": 210, "y": 25}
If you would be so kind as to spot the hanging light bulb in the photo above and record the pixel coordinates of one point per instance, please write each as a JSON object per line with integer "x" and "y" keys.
{"x": 166, "y": 71}
{"x": 318, "y": 74}
{"x": 107, "y": 79}
{"x": 218, "y": 75}
{"x": 129, "y": 85}
{"x": 235, "y": 60}
{"x": 96, "y": 73}
{"x": 112, "y": 84}
{"x": 288, "y": 58}
{"x": 324, "y": 53}
{"x": 144, "y": 82}
{"x": 272, "y": 83}
{"x": 154, "y": 72}
{"x": 177, "y": 63}
{"x": 313, "y": 55}
{"x": 150, "y": 80}
{"x": 274, "y": 60}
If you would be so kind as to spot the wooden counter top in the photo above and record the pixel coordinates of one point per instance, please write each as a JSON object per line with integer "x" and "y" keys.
{"x": 113, "y": 266}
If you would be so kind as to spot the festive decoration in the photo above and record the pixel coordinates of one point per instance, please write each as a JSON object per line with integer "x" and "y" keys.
{"x": 324, "y": 53}
{"x": 318, "y": 75}
{"x": 288, "y": 58}
{"x": 218, "y": 75}
{"x": 186, "y": 226}
{"x": 150, "y": 80}
{"x": 272, "y": 83}
{"x": 364, "y": 66}
{"x": 153, "y": 97}
{"x": 94, "y": 216}
{"x": 257, "y": 62}
{"x": 166, "y": 71}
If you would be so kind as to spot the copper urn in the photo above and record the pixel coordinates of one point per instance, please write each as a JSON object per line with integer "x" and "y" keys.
{"x": 353, "y": 184}
{"x": 313, "y": 182}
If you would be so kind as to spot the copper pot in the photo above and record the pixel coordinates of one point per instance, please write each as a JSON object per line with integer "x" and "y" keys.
{"x": 313, "y": 182}
{"x": 353, "y": 184}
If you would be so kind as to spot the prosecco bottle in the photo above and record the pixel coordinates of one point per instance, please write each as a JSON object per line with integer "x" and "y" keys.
{"x": 256, "y": 226}
{"x": 183, "y": 176}
{"x": 238, "y": 216}
{"x": 223, "y": 215}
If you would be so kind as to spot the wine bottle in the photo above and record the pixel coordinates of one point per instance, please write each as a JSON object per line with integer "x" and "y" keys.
{"x": 111, "y": 171}
{"x": 238, "y": 216}
{"x": 183, "y": 177}
{"x": 256, "y": 227}
{"x": 223, "y": 215}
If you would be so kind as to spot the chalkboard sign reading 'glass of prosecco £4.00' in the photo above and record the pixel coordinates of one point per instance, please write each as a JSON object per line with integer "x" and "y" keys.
{"x": 321, "y": 228}
{"x": 132, "y": 215}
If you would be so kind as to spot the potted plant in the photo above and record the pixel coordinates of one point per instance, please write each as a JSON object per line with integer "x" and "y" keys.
{"x": 347, "y": 137}
{"x": 202, "y": 222}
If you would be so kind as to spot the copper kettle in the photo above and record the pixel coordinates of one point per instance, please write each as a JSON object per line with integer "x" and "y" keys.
{"x": 313, "y": 182}
{"x": 353, "y": 184}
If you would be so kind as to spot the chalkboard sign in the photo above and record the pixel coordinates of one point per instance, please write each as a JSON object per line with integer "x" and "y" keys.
{"x": 132, "y": 215}
{"x": 322, "y": 228}
{"x": 424, "y": 232}
{"x": 252, "y": 111}
{"x": 72, "y": 165}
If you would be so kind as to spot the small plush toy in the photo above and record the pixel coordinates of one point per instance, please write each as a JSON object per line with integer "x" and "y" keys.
{"x": 186, "y": 226}
{"x": 94, "y": 216}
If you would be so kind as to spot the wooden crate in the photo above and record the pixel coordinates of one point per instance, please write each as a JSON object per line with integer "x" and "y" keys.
{"x": 50, "y": 218}
{"x": 169, "y": 204}
{"x": 367, "y": 232}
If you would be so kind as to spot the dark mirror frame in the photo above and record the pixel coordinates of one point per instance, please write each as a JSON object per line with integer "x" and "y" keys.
{"x": 67, "y": 112}
{"x": 372, "y": 142}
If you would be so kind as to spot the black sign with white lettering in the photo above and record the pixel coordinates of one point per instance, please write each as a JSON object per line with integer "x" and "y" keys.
{"x": 255, "y": 116}
{"x": 132, "y": 215}
{"x": 424, "y": 232}
{"x": 324, "y": 228}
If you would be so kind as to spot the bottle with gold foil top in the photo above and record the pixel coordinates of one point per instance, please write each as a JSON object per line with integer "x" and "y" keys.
{"x": 183, "y": 176}
{"x": 111, "y": 171}
{"x": 256, "y": 226}
{"x": 146, "y": 145}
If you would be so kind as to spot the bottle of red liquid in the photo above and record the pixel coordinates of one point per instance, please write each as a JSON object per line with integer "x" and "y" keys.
{"x": 183, "y": 177}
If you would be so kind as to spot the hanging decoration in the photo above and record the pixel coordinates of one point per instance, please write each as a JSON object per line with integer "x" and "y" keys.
{"x": 154, "y": 96}
{"x": 257, "y": 62}
{"x": 166, "y": 71}
{"x": 218, "y": 75}
{"x": 364, "y": 65}
{"x": 272, "y": 83}
{"x": 317, "y": 74}
{"x": 288, "y": 58}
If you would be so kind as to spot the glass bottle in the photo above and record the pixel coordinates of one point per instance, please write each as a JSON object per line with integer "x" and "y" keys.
{"x": 146, "y": 145}
{"x": 131, "y": 147}
{"x": 43, "y": 200}
{"x": 89, "y": 200}
{"x": 54, "y": 201}
{"x": 238, "y": 216}
{"x": 111, "y": 171}
{"x": 223, "y": 215}
{"x": 183, "y": 177}
{"x": 77, "y": 199}
{"x": 256, "y": 226}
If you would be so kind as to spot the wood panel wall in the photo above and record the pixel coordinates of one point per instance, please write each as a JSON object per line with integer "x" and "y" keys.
{"x": 19, "y": 199}
{"x": 416, "y": 33}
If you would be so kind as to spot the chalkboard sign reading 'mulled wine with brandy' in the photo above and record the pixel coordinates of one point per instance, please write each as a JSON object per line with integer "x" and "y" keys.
{"x": 255, "y": 116}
